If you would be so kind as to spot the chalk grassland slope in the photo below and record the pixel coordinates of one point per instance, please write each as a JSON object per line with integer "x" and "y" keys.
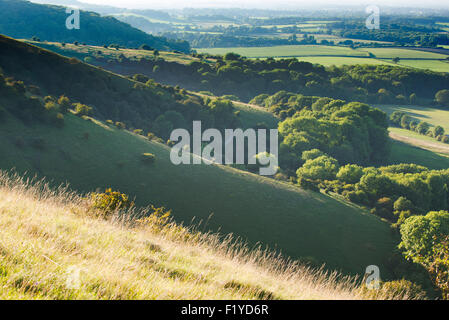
{"x": 23, "y": 19}
{"x": 82, "y": 51}
{"x": 48, "y": 237}
{"x": 403, "y": 151}
{"x": 299, "y": 223}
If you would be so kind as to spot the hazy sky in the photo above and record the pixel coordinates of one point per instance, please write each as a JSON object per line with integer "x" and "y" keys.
{"x": 178, "y": 4}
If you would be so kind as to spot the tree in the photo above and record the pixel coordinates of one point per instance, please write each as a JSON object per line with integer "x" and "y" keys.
{"x": 396, "y": 117}
{"x": 422, "y": 127}
{"x": 419, "y": 233}
{"x": 321, "y": 168}
{"x": 442, "y": 97}
{"x": 405, "y": 121}
{"x": 311, "y": 154}
{"x": 64, "y": 103}
{"x": 396, "y": 59}
{"x": 438, "y": 131}
{"x": 350, "y": 173}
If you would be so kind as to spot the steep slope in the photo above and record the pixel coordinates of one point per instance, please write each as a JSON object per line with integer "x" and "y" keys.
{"x": 23, "y": 19}
{"x": 299, "y": 223}
{"x": 51, "y": 247}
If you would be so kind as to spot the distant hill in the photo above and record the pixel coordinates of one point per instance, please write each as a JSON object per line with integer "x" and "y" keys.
{"x": 23, "y": 19}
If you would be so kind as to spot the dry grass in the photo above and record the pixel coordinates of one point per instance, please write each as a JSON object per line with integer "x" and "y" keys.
{"x": 47, "y": 235}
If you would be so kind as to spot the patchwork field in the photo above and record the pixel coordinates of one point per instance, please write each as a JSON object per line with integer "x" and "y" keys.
{"x": 288, "y": 51}
{"x": 337, "y": 55}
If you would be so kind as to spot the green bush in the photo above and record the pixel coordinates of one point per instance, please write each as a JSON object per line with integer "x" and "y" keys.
{"x": 64, "y": 103}
{"x": 82, "y": 109}
{"x": 148, "y": 158}
{"x": 120, "y": 125}
{"x": 105, "y": 204}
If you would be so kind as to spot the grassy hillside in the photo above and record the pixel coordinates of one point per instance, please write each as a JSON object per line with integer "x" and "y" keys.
{"x": 51, "y": 247}
{"x": 23, "y": 19}
{"x": 299, "y": 223}
{"x": 402, "y": 152}
{"x": 434, "y": 116}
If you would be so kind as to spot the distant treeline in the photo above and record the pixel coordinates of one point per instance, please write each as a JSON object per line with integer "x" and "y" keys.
{"x": 247, "y": 78}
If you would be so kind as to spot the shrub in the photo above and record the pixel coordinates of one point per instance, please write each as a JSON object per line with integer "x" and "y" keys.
{"x": 442, "y": 97}
{"x": 311, "y": 154}
{"x": 120, "y": 125}
{"x": 51, "y": 106}
{"x": 148, "y": 158}
{"x": 445, "y": 139}
{"x": 438, "y": 131}
{"x": 321, "y": 168}
{"x": 350, "y": 173}
{"x": 59, "y": 120}
{"x": 82, "y": 109}
{"x": 64, "y": 103}
{"x": 422, "y": 128}
{"x": 104, "y": 204}
{"x": 138, "y": 131}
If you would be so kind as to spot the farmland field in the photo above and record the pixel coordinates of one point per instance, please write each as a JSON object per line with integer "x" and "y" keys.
{"x": 338, "y": 55}
{"x": 405, "y": 153}
{"x": 385, "y": 53}
{"x": 434, "y": 65}
{"x": 431, "y": 115}
{"x": 288, "y": 51}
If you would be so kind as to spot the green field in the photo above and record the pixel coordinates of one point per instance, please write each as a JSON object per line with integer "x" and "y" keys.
{"x": 385, "y": 53}
{"x": 336, "y": 55}
{"x": 297, "y": 222}
{"x": 406, "y": 153}
{"x": 288, "y": 51}
{"x": 431, "y": 115}
{"x": 434, "y": 65}
{"x": 340, "y": 61}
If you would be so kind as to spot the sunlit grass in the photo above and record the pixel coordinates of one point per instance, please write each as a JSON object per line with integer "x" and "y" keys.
{"x": 46, "y": 235}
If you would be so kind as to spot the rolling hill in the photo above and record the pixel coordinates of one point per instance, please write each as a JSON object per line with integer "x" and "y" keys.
{"x": 91, "y": 155}
{"x": 23, "y": 19}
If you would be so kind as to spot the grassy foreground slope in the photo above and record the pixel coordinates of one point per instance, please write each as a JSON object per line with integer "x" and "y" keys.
{"x": 51, "y": 247}
{"x": 299, "y": 223}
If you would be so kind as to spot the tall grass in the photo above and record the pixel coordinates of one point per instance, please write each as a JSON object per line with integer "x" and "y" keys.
{"x": 49, "y": 235}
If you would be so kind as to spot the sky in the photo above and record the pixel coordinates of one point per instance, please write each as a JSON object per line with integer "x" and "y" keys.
{"x": 269, "y": 4}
